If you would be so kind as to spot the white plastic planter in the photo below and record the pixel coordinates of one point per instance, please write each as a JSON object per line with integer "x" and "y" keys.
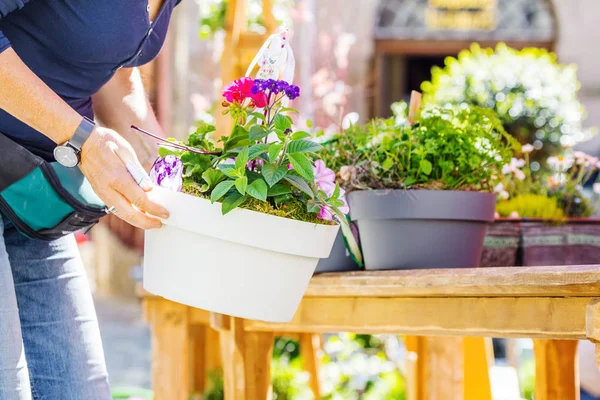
{"x": 245, "y": 264}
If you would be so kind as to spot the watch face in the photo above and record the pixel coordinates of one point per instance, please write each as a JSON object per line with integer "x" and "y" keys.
{"x": 66, "y": 156}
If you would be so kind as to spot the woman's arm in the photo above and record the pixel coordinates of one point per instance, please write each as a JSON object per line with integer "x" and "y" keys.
{"x": 103, "y": 156}
{"x": 122, "y": 102}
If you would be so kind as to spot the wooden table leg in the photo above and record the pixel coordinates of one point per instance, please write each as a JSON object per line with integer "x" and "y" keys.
{"x": 556, "y": 375}
{"x": 170, "y": 349}
{"x": 438, "y": 368}
{"x": 247, "y": 361}
{"x": 310, "y": 345}
{"x": 206, "y": 355}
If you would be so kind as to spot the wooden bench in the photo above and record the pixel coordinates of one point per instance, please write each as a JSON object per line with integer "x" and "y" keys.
{"x": 554, "y": 305}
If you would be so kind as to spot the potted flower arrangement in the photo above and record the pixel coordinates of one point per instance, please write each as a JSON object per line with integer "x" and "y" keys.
{"x": 256, "y": 210}
{"x": 551, "y": 208}
{"x": 422, "y": 194}
{"x": 533, "y": 94}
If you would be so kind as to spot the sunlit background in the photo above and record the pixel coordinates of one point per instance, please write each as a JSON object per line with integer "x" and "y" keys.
{"x": 355, "y": 58}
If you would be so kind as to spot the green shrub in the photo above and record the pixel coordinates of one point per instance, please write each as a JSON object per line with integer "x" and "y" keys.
{"x": 446, "y": 149}
{"x": 535, "y": 97}
{"x": 531, "y": 206}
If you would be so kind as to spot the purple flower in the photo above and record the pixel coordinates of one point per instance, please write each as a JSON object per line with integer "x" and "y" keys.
{"x": 167, "y": 172}
{"x": 274, "y": 86}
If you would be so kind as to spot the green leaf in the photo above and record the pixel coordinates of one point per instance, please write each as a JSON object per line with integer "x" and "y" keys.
{"x": 309, "y": 123}
{"x": 313, "y": 207}
{"x": 229, "y": 170}
{"x": 242, "y": 159}
{"x": 336, "y": 193}
{"x": 281, "y": 122}
{"x": 289, "y": 109}
{"x": 302, "y": 165}
{"x": 238, "y": 138}
{"x": 300, "y": 184}
{"x": 220, "y": 190}
{"x": 213, "y": 177}
{"x": 258, "y": 116}
{"x": 166, "y": 151}
{"x": 300, "y": 135}
{"x": 387, "y": 164}
{"x": 257, "y": 150}
{"x": 241, "y": 184}
{"x": 274, "y": 150}
{"x": 258, "y": 189}
{"x": 426, "y": 166}
{"x": 303, "y": 146}
{"x": 273, "y": 173}
{"x": 278, "y": 190}
{"x": 232, "y": 201}
{"x": 257, "y": 132}
{"x": 279, "y": 200}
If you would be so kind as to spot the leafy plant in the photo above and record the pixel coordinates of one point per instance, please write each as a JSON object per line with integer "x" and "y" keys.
{"x": 531, "y": 206}
{"x": 535, "y": 97}
{"x": 263, "y": 164}
{"x": 562, "y": 185}
{"x": 446, "y": 149}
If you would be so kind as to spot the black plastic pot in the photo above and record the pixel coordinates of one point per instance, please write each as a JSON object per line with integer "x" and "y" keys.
{"x": 415, "y": 229}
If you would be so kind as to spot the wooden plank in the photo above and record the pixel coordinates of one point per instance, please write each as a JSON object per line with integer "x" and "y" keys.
{"x": 560, "y": 318}
{"x": 170, "y": 349}
{"x": 246, "y": 362}
{"x": 310, "y": 346}
{"x": 477, "y": 364}
{"x": 557, "y": 376}
{"x": 576, "y": 281}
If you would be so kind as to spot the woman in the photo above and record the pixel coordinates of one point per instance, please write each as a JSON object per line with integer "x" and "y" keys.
{"x": 60, "y": 61}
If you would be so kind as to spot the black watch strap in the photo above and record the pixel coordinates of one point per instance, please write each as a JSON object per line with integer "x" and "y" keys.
{"x": 83, "y": 132}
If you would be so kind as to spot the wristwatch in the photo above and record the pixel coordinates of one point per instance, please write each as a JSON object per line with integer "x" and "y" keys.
{"x": 68, "y": 153}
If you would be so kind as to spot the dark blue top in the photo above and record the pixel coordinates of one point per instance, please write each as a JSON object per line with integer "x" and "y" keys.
{"x": 75, "y": 47}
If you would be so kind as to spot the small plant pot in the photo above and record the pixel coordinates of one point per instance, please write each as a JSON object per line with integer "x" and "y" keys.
{"x": 339, "y": 260}
{"x": 414, "y": 229}
{"x": 245, "y": 264}
{"x": 576, "y": 242}
{"x": 501, "y": 245}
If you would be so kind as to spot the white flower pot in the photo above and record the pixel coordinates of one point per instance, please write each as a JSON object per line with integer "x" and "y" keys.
{"x": 245, "y": 264}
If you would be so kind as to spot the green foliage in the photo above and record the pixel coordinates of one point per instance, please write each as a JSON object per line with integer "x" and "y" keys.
{"x": 535, "y": 97}
{"x": 216, "y": 389}
{"x": 531, "y": 206}
{"x": 447, "y": 149}
{"x": 527, "y": 379}
{"x": 250, "y": 170}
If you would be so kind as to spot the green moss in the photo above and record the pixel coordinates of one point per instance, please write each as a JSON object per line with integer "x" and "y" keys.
{"x": 292, "y": 209}
{"x": 532, "y": 206}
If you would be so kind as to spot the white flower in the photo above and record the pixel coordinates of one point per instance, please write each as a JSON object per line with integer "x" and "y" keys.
{"x": 561, "y": 162}
{"x": 514, "y": 214}
{"x": 520, "y": 175}
{"x": 499, "y": 187}
{"x": 503, "y": 195}
{"x": 528, "y": 148}
{"x": 597, "y": 187}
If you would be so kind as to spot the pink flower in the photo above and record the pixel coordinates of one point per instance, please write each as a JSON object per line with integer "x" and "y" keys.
{"x": 259, "y": 100}
{"x": 239, "y": 90}
{"x": 325, "y": 214}
{"x": 324, "y": 177}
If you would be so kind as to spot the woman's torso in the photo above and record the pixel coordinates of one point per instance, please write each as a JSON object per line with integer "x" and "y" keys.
{"x": 76, "y": 46}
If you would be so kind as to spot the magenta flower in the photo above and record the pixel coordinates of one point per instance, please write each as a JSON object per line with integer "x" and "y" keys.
{"x": 324, "y": 177}
{"x": 167, "y": 172}
{"x": 326, "y": 213}
{"x": 239, "y": 90}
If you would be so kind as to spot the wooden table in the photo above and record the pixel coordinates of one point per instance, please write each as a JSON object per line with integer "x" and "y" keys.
{"x": 554, "y": 305}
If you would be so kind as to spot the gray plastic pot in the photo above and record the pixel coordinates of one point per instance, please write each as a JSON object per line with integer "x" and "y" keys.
{"x": 415, "y": 229}
{"x": 339, "y": 260}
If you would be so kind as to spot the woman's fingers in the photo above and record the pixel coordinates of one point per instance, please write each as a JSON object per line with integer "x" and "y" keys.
{"x": 128, "y": 187}
{"x": 125, "y": 210}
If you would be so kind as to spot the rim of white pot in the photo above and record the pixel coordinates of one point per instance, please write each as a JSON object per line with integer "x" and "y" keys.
{"x": 422, "y": 204}
{"x": 250, "y": 228}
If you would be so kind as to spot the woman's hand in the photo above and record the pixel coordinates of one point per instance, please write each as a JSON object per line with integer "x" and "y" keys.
{"x": 103, "y": 162}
